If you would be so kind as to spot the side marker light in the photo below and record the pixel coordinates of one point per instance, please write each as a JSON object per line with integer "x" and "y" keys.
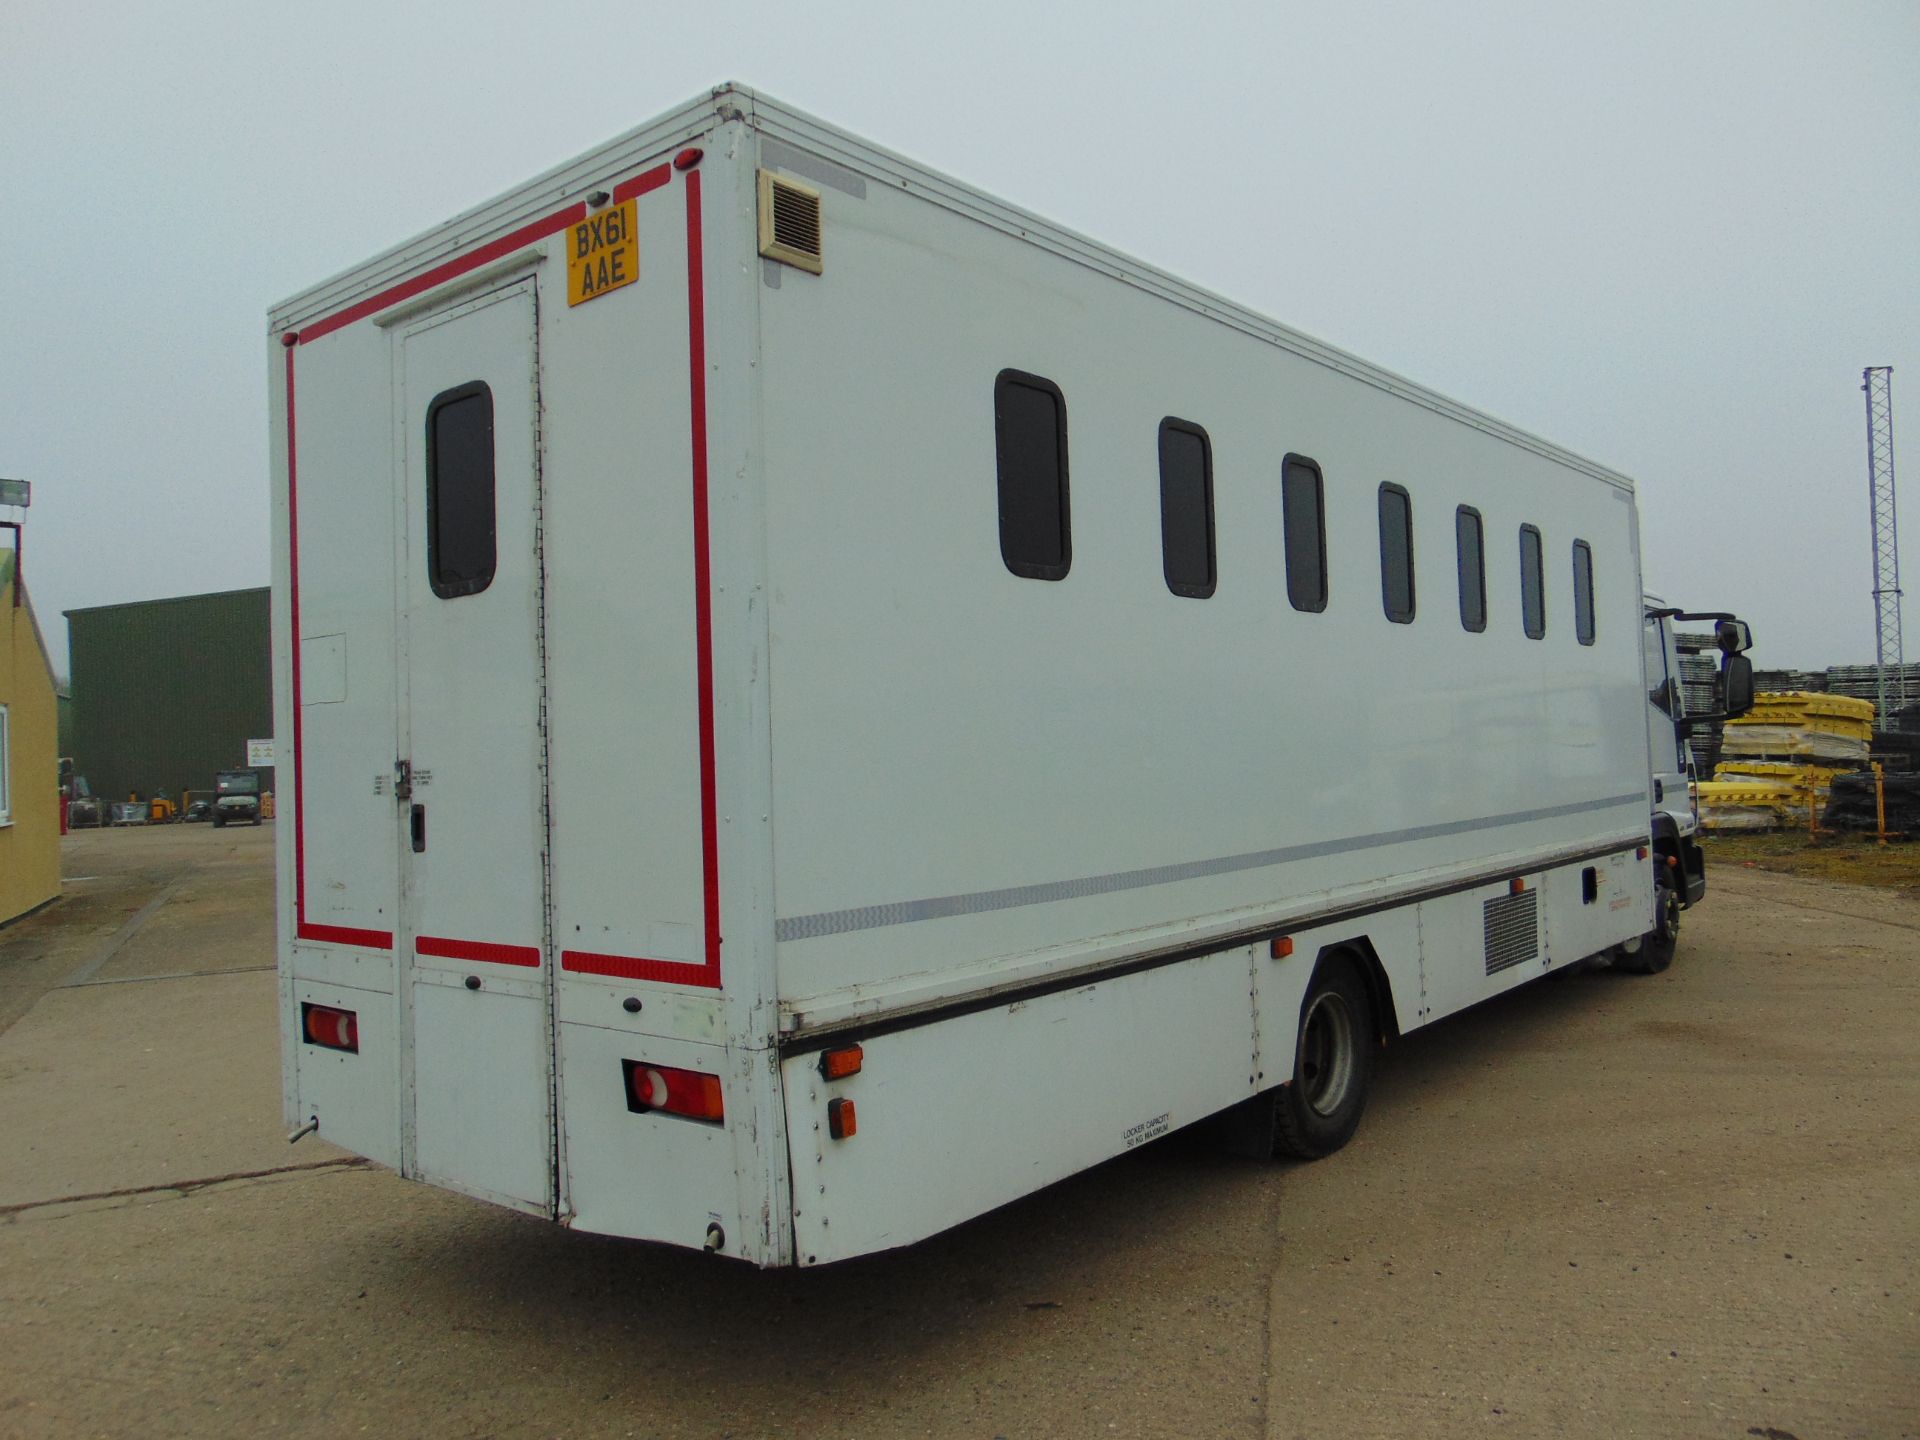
{"x": 839, "y": 1063}
{"x": 1282, "y": 947}
{"x": 842, "y": 1122}
{"x": 1517, "y": 884}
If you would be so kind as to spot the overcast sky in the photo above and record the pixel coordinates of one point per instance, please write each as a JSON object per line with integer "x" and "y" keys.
{"x": 1668, "y": 236}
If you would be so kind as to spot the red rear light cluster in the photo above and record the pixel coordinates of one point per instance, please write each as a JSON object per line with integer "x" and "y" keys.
{"x": 677, "y": 1092}
{"x": 334, "y": 1029}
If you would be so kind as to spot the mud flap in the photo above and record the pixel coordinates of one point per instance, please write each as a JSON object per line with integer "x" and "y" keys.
{"x": 1693, "y": 871}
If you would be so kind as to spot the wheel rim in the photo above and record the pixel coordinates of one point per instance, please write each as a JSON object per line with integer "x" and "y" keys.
{"x": 1669, "y": 912}
{"x": 1326, "y": 1053}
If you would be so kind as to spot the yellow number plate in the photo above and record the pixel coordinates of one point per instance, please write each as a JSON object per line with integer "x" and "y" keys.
{"x": 603, "y": 253}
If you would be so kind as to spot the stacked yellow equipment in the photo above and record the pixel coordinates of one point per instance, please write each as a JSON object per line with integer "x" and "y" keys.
{"x": 1782, "y": 756}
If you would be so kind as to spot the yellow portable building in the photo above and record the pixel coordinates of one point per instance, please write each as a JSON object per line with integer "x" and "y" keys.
{"x": 29, "y": 755}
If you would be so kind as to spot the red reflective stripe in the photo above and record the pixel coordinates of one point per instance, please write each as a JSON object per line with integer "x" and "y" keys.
{"x": 707, "y": 973}
{"x": 476, "y": 950}
{"x": 345, "y": 935}
{"x": 293, "y": 600}
{"x": 702, "y": 580}
{"x": 634, "y": 967}
{"x": 452, "y": 269}
{"x": 640, "y": 184}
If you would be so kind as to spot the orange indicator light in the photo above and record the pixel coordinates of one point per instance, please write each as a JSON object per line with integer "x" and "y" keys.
{"x": 842, "y": 1122}
{"x": 840, "y": 1063}
{"x": 1282, "y": 946}
{"x": 1517, "y": 885}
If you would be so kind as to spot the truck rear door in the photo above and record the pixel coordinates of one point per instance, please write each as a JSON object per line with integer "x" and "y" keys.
{"x": 470, "y": 779}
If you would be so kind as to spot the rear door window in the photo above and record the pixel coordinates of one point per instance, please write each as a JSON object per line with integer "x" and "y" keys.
{"x": 462, "y": 541}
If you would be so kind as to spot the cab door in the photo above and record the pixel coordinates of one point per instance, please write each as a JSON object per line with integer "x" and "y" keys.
{"x": 1669, "y": 758}
{"x": 470, "y": 781}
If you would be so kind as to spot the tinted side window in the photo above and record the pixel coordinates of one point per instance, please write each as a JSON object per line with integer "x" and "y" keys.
{"x": 1030, "y": 434}
{"x": 1396, "y": 554}
{"x": 1304, "y": 516}
{"x": 461, "y": 541}
{"x": 1583, "y": 592}
{"x": 1469, "y": 538}
{"x": 1533, "y": 594}
{"x": 1186, "y": 509}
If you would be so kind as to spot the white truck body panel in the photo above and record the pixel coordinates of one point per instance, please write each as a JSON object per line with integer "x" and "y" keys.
{"x": 752, "y": 744}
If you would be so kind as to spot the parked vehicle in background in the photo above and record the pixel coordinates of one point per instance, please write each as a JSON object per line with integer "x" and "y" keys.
{"x": 198, "y": 810}
{"x": 85, "y": 810}
{"x": 128, "y": 812}
{"x": 236, "y": 797}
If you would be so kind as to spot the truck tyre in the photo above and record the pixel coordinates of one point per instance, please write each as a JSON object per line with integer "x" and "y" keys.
{"x": 1658, "y": 944}
{"x": 218, "y": 820}
{"x": 1316, "y": 1112}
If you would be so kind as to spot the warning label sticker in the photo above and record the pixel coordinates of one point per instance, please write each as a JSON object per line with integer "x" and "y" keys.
{"x": 1147, "y": 1130}
{"x": 603, "y": 253}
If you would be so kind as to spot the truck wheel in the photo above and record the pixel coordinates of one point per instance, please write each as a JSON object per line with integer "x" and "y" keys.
{"x": 1658, "y": 944}
{"x": 219, "y": 820}
{"x": 1319, "y": 1109}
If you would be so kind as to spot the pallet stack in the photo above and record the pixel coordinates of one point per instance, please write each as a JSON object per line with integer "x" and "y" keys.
{"x": 1782, "y": 756}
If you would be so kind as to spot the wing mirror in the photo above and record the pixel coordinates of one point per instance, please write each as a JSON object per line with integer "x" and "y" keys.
{"x": 1736, "y": 685}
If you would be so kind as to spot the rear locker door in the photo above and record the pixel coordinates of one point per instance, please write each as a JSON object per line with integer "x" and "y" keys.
{"x": 470, "y": 781}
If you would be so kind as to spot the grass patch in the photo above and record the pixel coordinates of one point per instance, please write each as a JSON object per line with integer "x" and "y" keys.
{"x": 1850, "y": 859}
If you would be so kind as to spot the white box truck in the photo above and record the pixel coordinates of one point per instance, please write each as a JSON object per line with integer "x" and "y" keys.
{"x": 821, "y": 702}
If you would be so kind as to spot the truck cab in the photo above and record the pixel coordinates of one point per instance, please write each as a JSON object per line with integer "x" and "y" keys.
{"x": 236, "y": 796}
{"x": 1670, "y": 727}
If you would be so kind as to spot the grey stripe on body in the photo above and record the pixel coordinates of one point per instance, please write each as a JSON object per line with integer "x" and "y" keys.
{"x": 906, "y": 912}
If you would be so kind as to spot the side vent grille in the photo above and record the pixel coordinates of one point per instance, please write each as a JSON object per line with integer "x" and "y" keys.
{"x": 1513, "y": 930}
{"x": 789, "y": 221}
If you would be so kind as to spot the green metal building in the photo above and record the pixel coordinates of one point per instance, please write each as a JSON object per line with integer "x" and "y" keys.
{"x": 167, "y": 692}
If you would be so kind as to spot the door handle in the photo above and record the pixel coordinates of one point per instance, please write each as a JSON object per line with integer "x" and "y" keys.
{"x": 417, "y": 818}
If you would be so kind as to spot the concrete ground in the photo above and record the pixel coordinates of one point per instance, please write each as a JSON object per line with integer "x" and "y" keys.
{"x": 1684, "y": 1205}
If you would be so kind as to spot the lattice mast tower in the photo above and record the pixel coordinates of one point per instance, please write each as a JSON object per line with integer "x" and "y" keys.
{"x": 1888, "y": 656}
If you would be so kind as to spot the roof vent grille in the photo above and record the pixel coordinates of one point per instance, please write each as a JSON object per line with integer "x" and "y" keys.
{"x": 789, "y": 221}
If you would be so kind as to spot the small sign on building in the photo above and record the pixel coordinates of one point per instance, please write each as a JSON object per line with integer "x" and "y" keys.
{"x": 260, "y": 754}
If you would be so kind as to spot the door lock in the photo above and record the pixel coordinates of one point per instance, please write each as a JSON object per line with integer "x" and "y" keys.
{"x": 403, "y": 781}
